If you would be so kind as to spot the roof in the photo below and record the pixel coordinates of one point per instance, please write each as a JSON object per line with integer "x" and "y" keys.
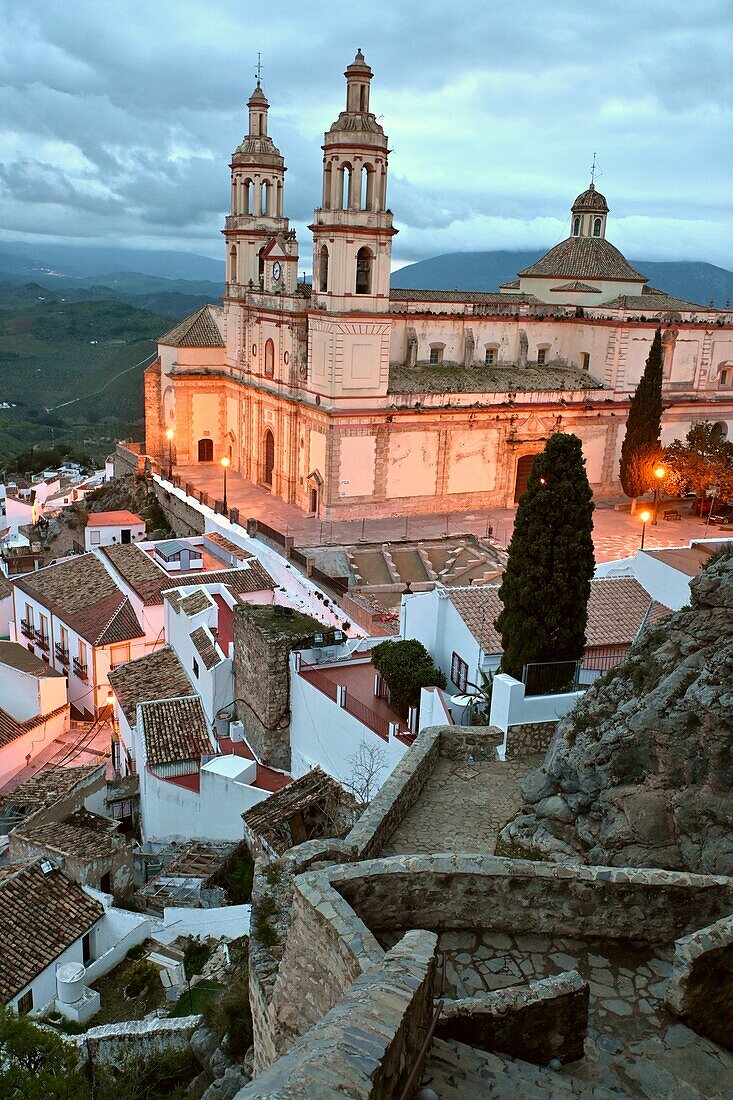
{"x": 577, "y": 288}
{"x": 590, "y": 200}
{"x": 205, "y": 647}
{"x": 82, "y": 593}
{"x": 84, "y": 840}
{"x": 687, "y": 559}
{"x": 618, "y": 607}
{"x": 175, "y": 730}
{"x": 654, "y": 301}
{"x": 40, "y": 916}
{"x": 171, "y": 547}
{"x": 195, "y": 602}
{"x": 113, "y": 519}
{"x": 271, "y": 818}
{"x": 200, "y": 330}
{"x": 485, "y": 378}
{"x": 11, "y": 729}
{"x": 18, "y": 657}
{"x": 226, "y": 544}
{"x": 583, "y": 258}
{"x": 50, "y": 786}
{"x": 157, "y": 675}
{"x": 480, "y": 297}
{"x": 150, "y": 580}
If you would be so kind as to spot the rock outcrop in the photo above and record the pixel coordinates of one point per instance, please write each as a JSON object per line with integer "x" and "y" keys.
{"x": 641, "y": 772}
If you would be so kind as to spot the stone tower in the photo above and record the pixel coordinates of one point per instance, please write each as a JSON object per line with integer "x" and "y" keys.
{"x": 262, "y": 252}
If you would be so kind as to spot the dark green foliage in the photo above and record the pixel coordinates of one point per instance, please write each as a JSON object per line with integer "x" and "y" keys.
{"x": 235, "y": 876}
{"x": 142, "y": 974}
{"x": 546, "y": 584}
{"x": 262, "y": 913}
{"x": 36, "y": 1064}
{"x": 641, "y": 447}
{"x": 230, "y": 1013}
{"x": 406, "y": 667}
{"x": 165, "y": 1074}
{"x": 195, "y": 956}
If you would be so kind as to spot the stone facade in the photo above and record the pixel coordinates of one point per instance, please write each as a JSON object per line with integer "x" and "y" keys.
{"x": 700, "y": 990}
{"x": 263, "y": 642}
{"x": 183, "y": 519}
{"x": 526, "y": 740}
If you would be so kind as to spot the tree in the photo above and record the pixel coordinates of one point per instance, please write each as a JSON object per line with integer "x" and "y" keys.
{"x": 546, "y": 583}
{"x": 641, "y": 447}
{"x": 406, "y": 667}
{"x": 704, "y": 459}
{"x": 35, "y": 1064}
{"x": 367, "y": 766}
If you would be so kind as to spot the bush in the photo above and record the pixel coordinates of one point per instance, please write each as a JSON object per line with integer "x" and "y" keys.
{"x": 35, "y": 1064}
{"x": 195, "y": 956}
{"x": 406, "y": 668}
{"x": 230, "y": 1014}
{"x": 262, "y": 912}
{"x": 141, "y": 977}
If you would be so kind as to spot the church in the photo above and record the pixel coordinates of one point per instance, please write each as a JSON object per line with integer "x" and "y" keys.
{"x": 353, "y": 399}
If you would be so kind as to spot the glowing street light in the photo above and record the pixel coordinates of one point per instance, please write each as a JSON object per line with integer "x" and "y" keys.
{"x": 659, "y": 474}
{"x": 169, "y": 433}
{"x": 644, "y": 517}
{"x": 225, "y": 463}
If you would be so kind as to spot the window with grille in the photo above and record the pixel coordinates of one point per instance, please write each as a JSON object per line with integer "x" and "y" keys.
{"x": 541, "y": 356}
{"x": 490, "y": 357}
{"x": 436, "y": 353}
{"x": 459, "y": 672}
{"x": 25, "y": 1003}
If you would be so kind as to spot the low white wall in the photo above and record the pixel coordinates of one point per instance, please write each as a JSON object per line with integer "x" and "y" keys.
{"x": 662, "y": 582}
{"x": 224, "y": 922}
{"x": 116, "y": 933}
{"x": 510, "y": 707}
{"x": 44, "y": 984}
{"x": 171, "y": 812}
{"x": 433, "y": 708}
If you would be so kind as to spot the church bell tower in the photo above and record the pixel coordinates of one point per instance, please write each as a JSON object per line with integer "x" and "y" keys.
{"x": 352, "y": 229}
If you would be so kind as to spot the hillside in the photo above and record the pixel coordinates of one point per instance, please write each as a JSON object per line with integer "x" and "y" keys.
{"x": 696, "y": 282}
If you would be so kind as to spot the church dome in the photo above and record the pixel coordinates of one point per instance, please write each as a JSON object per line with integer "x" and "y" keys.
{"x": 590, "y": 201}
{"x": 584, "y": 258}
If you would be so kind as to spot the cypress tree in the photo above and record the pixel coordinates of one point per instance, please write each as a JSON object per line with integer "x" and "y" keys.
{"x": 546, "y": 584}
{"x": 641, "y": 447}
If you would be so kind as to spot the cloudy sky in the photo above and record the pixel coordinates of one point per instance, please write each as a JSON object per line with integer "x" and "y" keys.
{"x": 117, "y": 117}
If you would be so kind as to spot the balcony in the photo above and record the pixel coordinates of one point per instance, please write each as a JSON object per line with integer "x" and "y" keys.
{"x": 62, "y": 655}
{"x": 41, "y": 639}
{"x": 81, "y": 669}
{"x": 27, "y": 630}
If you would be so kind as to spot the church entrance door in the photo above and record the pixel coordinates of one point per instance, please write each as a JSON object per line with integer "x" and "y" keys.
{"x": 524, "y": 467}
{"x": 206, "y": 450}
{"x": 269, "y": 447}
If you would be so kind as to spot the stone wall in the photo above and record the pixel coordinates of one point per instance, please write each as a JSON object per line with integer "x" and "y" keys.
{"x": 135, "y": 1039}
{"x": 479, "y": 742}
{"x": 457, "y": 892}
{"x": 700, "y": 990}
{"x": 182, "y": 517}
{"x": 367, "y": 1044}
{"x": 263, "y": 642}
{"x": 128, "y": 459}
{"x": 528, "y": 739}
{"x": 154, "y": 414}
{"x": 536, "y": 1022}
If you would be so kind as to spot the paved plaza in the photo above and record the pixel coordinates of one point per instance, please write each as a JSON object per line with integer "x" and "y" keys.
{"x": 616, "y": 534}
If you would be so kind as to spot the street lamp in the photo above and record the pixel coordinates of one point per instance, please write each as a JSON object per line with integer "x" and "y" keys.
{"x": 713, "y": 491}
{"x": 225, "y": 463}
{"x": 169, "y": 433}
{"x": 644, "y": 517}
{"x": 659, "y": 473}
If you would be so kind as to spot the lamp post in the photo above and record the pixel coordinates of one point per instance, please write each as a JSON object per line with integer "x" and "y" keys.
{"x": 713, "y": 491}
{"x": 169, "y": 433}
{"x": 225, "y": 463}
{"x": 659, "y": 473}
{"x": 644, "y": 517}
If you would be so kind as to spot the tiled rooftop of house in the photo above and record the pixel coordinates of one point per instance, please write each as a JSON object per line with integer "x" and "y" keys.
{"x": 157, "y": 675}
{"x": 122, "y": 518}
{"x": 82, "y": 594}
{"x": 196, "y": 602}
{"x": 357, "y": 676}
{"x": 18, "y": 657}
{"x": 40, "y": 916}
{"x": 175, "y": 730}
{"x": 150, "y": 580}
{"x": 11, "y": 729}
{"x": 205, "y": 647}
{"x": 51, "y": 786}
{"x": 227, "y": 545}
{"x": 279, "y": 818}
{"x": 79, "y": 837}
{"x": 617, "y": 609}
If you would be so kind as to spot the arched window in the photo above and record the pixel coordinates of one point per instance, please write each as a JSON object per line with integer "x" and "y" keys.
{"x": 596, "y": 227}
{"x": 362, "y": 97}
{"x": 261, "y": 264}
{"x": 363, "y": 271}
{"x": 368, "y": 176}
{"x": 233, "y": 264}
{"x": 323, "y": 269}
{"x": 269, "y": 359}
{"x": 247, "y": 197}
{"x": 576, "y": 227}
{"x": 719, "y": 431}
{"x": 344, "y": 183}
{"x": 279, "y": 200}
{"x": 266, "y": 201}
{"x": 268, "y": 465}
{"x": 327, "y": 187}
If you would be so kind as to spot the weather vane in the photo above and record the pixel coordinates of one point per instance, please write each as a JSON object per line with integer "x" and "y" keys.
{"x": 258, "y": 72}
{"x": 592, "y": 168}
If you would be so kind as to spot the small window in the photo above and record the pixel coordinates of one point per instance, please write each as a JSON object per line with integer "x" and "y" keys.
{"x": 363, "y": 271}
{"x": 576, "y": 227}
{"x": 541, "y": 356}
{"x": 195, "y": 666}
{"x": 324, "y": 269}
{"x": 25, "y": 1003}
{"x": 95, "y": 537}
{"x": 596, "y": 227}
{"x": 459, "y": 672}
{"x": 585, "y": 360}
{"x": 269, "y": 359}
{"x": 490, "y": 357}
{"x": 436, "y": 353}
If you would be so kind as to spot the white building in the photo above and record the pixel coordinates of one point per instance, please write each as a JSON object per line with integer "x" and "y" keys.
{"x": 107, "y": 528}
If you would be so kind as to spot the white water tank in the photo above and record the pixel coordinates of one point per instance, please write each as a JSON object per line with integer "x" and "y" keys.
{"x": 70, "y": 984}
{"x": 236, "y": 731}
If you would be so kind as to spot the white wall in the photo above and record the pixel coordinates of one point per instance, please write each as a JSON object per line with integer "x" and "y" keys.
{"x": 223, "y": 922}
{"x": 108, "y": 535}
{"x": 215, "y": 685}
{"x": 509, "y": 707}
{"x": 323, "y": 733}
{"x": 24, "y": 695}
{"x": 431, "y": 618}
{"x": 13, "y": 756}
{"x": 44, "y": 984}
{"x": 663, "y": 582}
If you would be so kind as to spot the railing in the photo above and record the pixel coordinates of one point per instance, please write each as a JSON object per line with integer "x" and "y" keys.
{"x": 27, "y": 630}
{"x": 41, "y": 639}
{"x": 321, "y": 682}
{"x": 361, "y": 711}
{"x": 550, "y": 677}
{"x": 81, "y": 669}
{"x": 61, "y": 654}
{"x": 367, "y": 716}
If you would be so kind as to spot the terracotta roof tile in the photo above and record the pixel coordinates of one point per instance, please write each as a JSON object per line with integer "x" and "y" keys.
{"x": 157, "y": 675}
{"x": 149, "y": 580}
{"x": 40, "y": 916}
{"x": 271, "y": 818}
{"x": 50, "y": 786}
{"x": 17, "y": 656}
{"x": 478, "y": 297}
{"x": 175, "y": 730}
{"x": 200, "y": 330}
{"x": 113, "y": 519}
{"x": 10, "y": 729}
{"x": 196, "y": 602}
{"x": 584, "y": 258}
{"x": 78, "y": 841}
{"x": 226, "y": 544}
{"x": 205, "y": 647}
{"x": 577, "y": 288}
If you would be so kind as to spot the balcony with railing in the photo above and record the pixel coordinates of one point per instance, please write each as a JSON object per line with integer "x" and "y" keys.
{"x": 62, "y": 655}
{"x": 81, "y": 669}
{"x": 27, "y": 630}
{"x": 41, "y": 639}
{"x": 352, "y": 685}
